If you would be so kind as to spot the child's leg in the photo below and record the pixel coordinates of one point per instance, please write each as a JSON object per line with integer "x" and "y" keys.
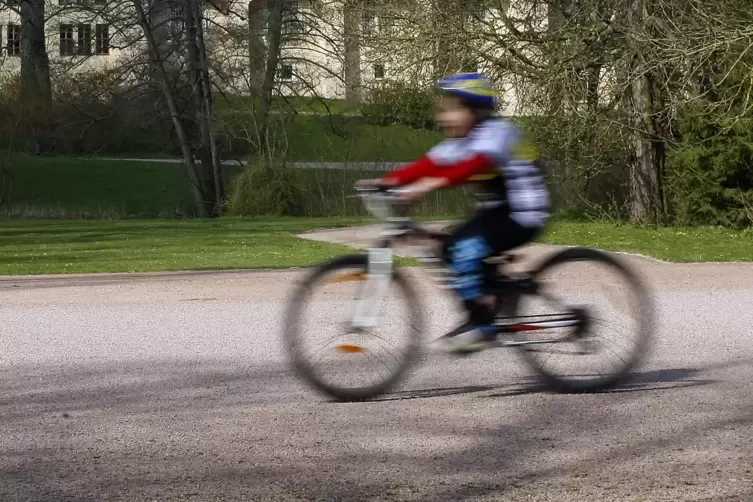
{"x": 466, "y": 251}
{"x": 488, "y": 233}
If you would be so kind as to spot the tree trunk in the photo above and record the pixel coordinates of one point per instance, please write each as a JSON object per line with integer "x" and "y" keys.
{"x": 205, "y": 106}
{"x": 647, "y": 166}
{"x": 273, "y": 58}
{"x": 646, "y": 191}
{"x": 257, "y": 48}
{"x": 556, "y": 85}
{"x": 444, "y": 60}
{"x": 36, "y": 91}
{"x": 352, "y": 43}
{"x": 160, "y": 16}
{"x": 452, "y": 22}
{"x": 172, "y": 105}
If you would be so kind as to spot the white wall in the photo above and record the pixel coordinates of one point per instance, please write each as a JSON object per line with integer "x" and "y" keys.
{"x": 317, "y": 58}
{"x": 57, "y": 15}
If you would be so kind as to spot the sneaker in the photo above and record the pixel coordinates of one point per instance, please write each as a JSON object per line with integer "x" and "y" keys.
{"x": 466, "y": 339}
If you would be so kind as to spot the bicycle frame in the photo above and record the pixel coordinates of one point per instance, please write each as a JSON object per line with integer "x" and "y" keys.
{"x": 380, "y": 266}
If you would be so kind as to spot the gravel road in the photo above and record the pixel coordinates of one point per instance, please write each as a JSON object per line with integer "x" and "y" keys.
{"x": 174, "y": 387}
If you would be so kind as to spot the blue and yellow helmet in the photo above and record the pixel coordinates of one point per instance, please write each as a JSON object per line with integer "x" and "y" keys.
{"x": 473, "y": 89}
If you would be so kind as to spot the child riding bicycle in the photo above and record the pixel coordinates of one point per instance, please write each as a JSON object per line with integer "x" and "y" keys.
{"x": 513, "y": 203}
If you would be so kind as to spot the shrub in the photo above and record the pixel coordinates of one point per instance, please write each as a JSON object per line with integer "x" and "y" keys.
{"x": 396, "y": 103}
{"x": 266, "y": 187}
{"x": 711, "y": 170}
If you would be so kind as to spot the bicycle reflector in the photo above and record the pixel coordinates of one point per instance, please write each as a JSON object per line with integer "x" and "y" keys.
{"x": 350, "y": 349}
{"x": 355, "y": 276}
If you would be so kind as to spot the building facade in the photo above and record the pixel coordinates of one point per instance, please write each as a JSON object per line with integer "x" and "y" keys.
{"x": 337, "y": 49}
{"x": 76, "y": 38}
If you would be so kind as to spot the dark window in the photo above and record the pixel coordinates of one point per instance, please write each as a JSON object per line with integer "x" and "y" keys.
{"x": 102, "y": 39}
{"x": 292, "y": 19}
{"x": 176, "y": 24}
{"x": 368, "y": 23}
{"x": 292, "y": 23}
{"x": 478, "y": 9}
{"x": 67, "y": 42}
{"x": 14, "y": 40}
{"x": 286, "y": 72}
{"x": 84, "y": 46}
{"x": 378, "y": 71}
{"x": 292, "y": 27}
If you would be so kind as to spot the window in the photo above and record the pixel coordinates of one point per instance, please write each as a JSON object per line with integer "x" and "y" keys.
{"x": 67, "y": 43}
{"x": 292, "y": 27}
{"x": 368, "y": 22}
{"x": 375, "y": 22}
{"x": 478, "y": 9}
{"x": 84, "y": 46}
{"x": 386, "y": 24}
{"x": 378, "y": 71}
{"x": 176, "y": 24}
{"x": 292, "y": 22}
{"x": 290, "y": 7}
{"x": 291, "y": 18}
{"x": 14, "y": 40}
{"x": 286, "y": 72}
{"x": 102, "y": 39}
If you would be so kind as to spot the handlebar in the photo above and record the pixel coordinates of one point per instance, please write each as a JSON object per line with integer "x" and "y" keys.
{"x": 379, "y": 200}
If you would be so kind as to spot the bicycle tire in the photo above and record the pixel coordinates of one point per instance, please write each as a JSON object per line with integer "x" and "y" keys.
{"x": 644, "y": 334}
{"x": 293, "y": 342}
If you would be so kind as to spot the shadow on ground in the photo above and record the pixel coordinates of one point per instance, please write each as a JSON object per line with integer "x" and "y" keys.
{"x": 217, "y": 430}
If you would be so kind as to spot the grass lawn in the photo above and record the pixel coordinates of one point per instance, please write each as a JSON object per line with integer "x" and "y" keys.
{"x": 344, "y": 138}
{"x": 333, "y": 138}
{"x": 65, "y": 187}
{"x": 61, "y": 247}
{"x": 69, "y": 247}
{"x": 667, "y": 243}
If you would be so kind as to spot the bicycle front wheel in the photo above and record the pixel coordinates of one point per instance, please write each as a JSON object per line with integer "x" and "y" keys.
{"x": 589, "y": 323}
{"x": 329, "y": 354}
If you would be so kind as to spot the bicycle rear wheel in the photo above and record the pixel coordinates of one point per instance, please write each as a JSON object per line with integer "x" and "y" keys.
{"x": 592, "y": 354}
{"x": 348, "y": 364}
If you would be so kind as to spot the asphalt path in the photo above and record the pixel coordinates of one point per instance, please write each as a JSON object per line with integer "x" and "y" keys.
{"x": 176, "y": 387}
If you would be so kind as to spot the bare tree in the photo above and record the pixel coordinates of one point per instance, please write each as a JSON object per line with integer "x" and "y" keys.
{"x": 257, "y": 49}
{"x": 195, "y": 130}
{"x": 352, "y": 12}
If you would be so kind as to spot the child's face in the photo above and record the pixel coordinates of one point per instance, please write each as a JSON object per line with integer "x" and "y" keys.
{"x": 455, "y": 119}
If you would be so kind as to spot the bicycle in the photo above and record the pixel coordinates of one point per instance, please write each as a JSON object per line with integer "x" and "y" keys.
{"x": 374, "y": 271}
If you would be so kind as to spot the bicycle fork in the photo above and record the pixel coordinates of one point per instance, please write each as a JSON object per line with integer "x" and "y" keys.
{"x": 369, "y": 302}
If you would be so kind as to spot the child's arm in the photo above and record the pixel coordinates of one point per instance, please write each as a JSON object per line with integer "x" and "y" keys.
{"x": 454, "y": 174}
{"x": 422, "y": 168}
{"x": 449, "y": 175}
{"x": 459, "y": 172}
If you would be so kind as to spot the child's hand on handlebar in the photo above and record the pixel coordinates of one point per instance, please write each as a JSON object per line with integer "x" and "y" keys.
{"x": 417, "y": 190}
{"x": 375, "y": 183}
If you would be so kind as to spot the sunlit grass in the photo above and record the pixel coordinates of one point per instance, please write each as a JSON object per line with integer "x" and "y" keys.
{"x": 65, "y": 247}
{"x": 666, "y": 243}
